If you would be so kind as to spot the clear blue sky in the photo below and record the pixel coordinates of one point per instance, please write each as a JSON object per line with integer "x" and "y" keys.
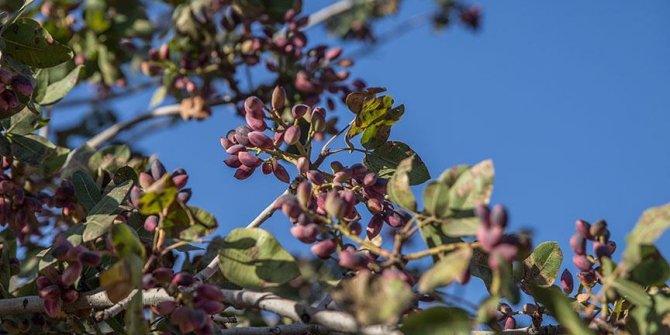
{"x": 570, "y": 99}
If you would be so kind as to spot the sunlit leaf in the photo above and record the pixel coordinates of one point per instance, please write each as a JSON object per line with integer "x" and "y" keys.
{"x": 252, "y": 258}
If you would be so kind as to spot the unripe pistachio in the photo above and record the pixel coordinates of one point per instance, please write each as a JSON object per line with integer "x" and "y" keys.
{"x": 281, "y": 173}
{"x": 260, "y": 140}
{"x": 210, "y": 306}
{"x": 510, "y": 323}
{"x": 241, "y": 135}
{"x": 578, "y": 244}
{"x": 145, "y": 180}
{"x": 499, "y": 216}
{"x": 71, "y": 273}
{"x": 51, "y": 292}
{"x": 484, "y": 214}
{"x": 291, "y": 207}
{"x": 5, "y": 77}
{"x": 165, "y": 308}
{"x": 254, "y": 106}
{"x": 292, "y": 135}
{"x": 567, "y": 283}
{"x": 23, "y": 86}
{"x": 300, "y": 110}
{"x": 502, "y": 252}
{"x": 335, "y": 206}
{"x": 267, "y": 168}
{"x": 370, "y": 180}
{"x": 225, "y": 142}
{"x": 162, "y": 275}
{"x": 157, "y": 169}
{"x": 70, "y": 296}
{"x": 318, "y": 121}
{"x": 10, "y": 98}
{"x": 333, "y": 54}
{"x": 612, "y": 247}
{"x": 164, "y": 52}
{"x": 587, "y": 278}
{"x": 583, "y": 228}
{"x": 90, "y": 258}
{"x": 232, "y": 161}
{"x": 185, "y": 195}
{"x": 374, "y": 226}
{"x": 529, "y": 309}
{"x": 598, "y": 229}
{"x": 304, "y": 193}
{"x": 236, "y": 149}
{"x": 336, "y": 166}
{"x": 61, "y": 248}
{"x": 209, "y": 292}
{"x": 302, "y": 164}
{"x": 581, "y": 262}
{"x": 183, "y": 279}
{"x": 248, "y": 159}
{"x": 180, "y": 181}
{"x": 52, "y": 307}
{"x": 352, "y": 260}
{"x": 150, "y": 223}
{"x": 255, "y": 123}
{"x": 278, "y": 98}
{"x": 489, "y": 238}
{"x": 601, "y": 249}
{"x": 324, "y": 248}
{"x": 505, "y": 309}
{"x": 315, "y": 177}
{"x": 42, "y": 282}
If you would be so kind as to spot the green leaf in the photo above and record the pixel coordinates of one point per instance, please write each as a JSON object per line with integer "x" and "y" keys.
{"x": 253, "y": 258}
{"x": 438, "y": 321}
{"x": 110, "y": 158}
{"x": 156, "y": 202}
{"x": 650, "y": 320}
{"x": 503, "y": 283}
{"x": 541, "y": 267}
{"x": 77, "y": 160}
{"x": 385, "y": 159}
{"x": 446, "y": 270}
{"x": 375, "y": 136}
{"x": 122, "y": 278}
{"x": 560, "y": 307}
{"x": 26, "y": 41}
{"x": 652, "y": 270}
{"x": 398, "y": 186}
{"x": 373, "y": 299}
{"x": 54, "y": 83}
{"x": 436, "y": 199}
{"x": 24, "y": 122}
{"x": 203, "y": 224}
{"x": 632, "y": 292}
{"x": 135, "y": 321}
{"x": 470, "y": 188}
{"x": 86, "y": 190}
{"x": 126, "y": 242}
{"x": 30, "y": 149}
{"x": 650, "y": 226}
{"x": 102, "y": 215}
{"x": 158, "y": 97}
